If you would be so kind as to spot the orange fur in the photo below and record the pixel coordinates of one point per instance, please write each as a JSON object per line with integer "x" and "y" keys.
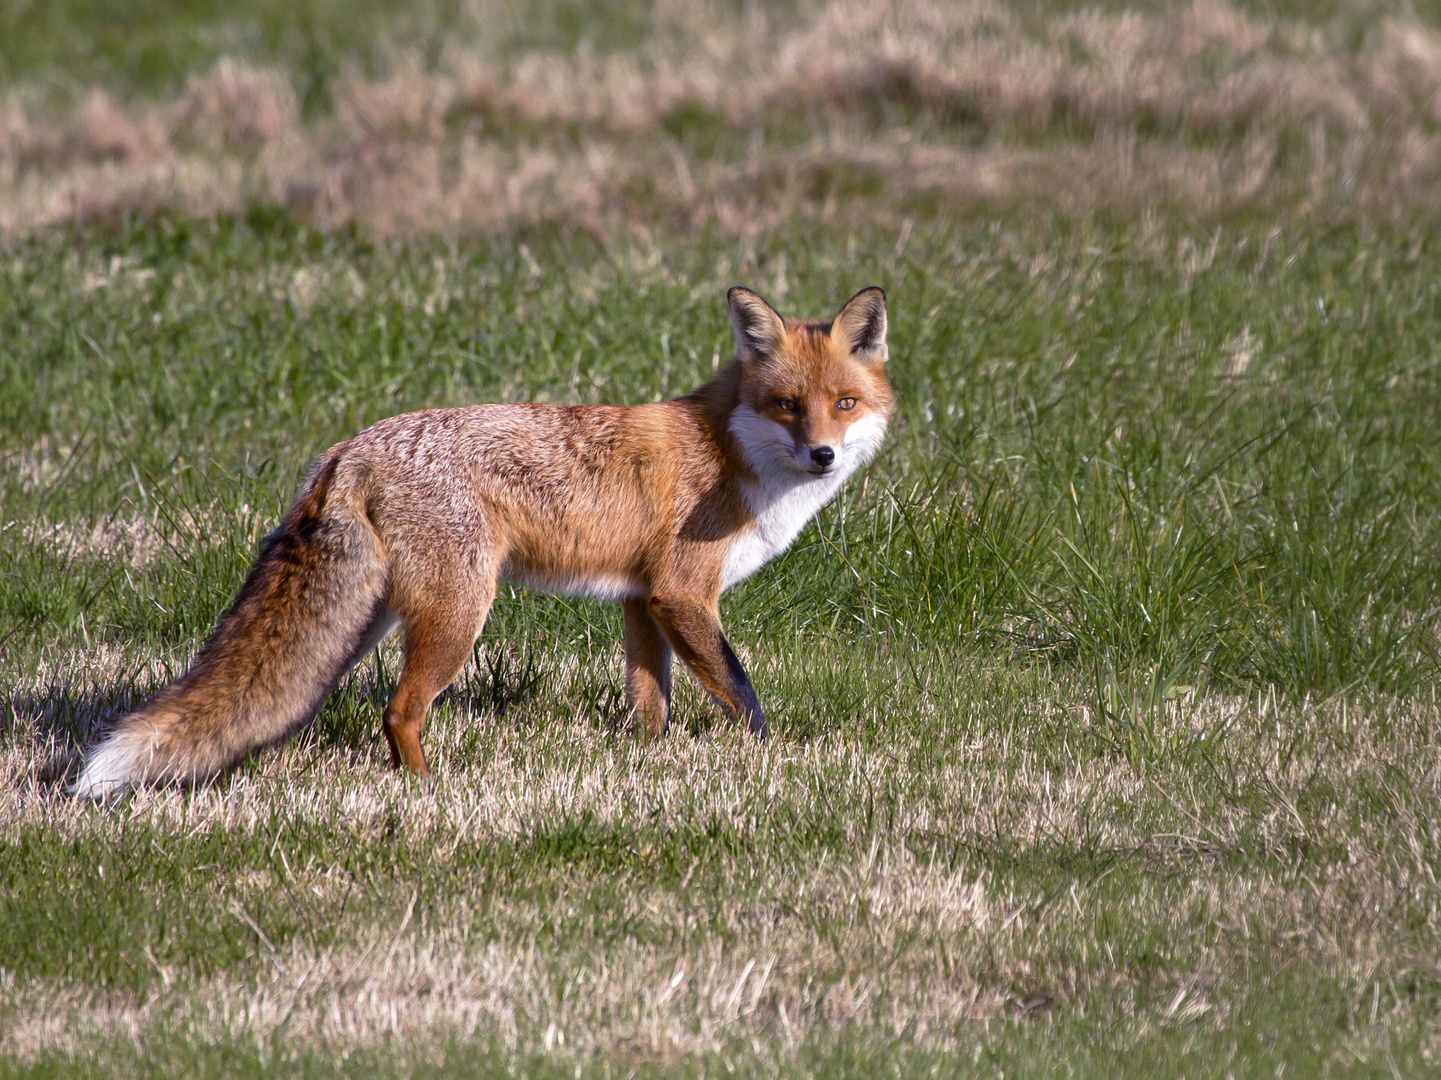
{"x": 413, "y": 522}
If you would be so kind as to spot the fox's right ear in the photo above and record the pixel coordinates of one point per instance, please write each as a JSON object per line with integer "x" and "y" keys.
{"x": 759, "y": 330}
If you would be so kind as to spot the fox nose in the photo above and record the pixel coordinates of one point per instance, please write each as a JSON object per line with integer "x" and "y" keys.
{"x": 822, "y": 455}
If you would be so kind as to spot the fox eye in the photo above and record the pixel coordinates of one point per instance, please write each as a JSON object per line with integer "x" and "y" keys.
{"x": 846, "y": 404}
{"x": 786, "y": 405}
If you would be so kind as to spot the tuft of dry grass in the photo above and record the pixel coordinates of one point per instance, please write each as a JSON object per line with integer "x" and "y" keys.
{"x": 873, "y": 108}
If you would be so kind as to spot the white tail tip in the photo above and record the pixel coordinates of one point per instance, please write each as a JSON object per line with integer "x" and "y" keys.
{"x": 112, "y": 768}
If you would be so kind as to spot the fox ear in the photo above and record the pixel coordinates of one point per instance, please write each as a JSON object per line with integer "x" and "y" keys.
{"x": 862, "y": 326}
{"x": 759, "y": 330}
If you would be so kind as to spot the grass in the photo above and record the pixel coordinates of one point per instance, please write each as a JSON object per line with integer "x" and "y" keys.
{"x": 1104, "y": 704}
{"x": 1109, "y": 455}
{"x": 486, "y": 118}
{"x": 154, "y": 51}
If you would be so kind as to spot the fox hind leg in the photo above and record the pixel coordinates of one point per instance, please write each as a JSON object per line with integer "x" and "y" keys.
{"x": 440, "y": 632}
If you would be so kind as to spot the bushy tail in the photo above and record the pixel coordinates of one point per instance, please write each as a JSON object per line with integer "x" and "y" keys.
{"x": 295, "y": 628}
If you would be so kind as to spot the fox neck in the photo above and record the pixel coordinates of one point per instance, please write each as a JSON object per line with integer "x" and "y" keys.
{"x": 780, "y": 497}
{"x": 713, "y": 403}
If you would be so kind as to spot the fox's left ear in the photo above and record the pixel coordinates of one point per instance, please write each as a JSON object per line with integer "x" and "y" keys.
{"x": 759, "y": 329}
{"x": 862, "y": 326}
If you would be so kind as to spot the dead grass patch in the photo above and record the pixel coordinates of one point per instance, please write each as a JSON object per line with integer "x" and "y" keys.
{"x": 803, "y": 951}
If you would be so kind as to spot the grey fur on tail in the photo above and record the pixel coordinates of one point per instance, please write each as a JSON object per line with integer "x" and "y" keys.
{"x": 307, "y": 606}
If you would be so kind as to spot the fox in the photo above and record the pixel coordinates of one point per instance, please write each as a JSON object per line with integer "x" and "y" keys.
{"x": 415, "y": 521}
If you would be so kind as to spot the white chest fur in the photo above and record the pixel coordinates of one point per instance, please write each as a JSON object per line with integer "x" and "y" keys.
{"x": 782, "y": 497}
{"x": 780, "y": 516}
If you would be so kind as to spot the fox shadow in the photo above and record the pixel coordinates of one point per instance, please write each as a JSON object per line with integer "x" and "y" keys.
{"x": 63, "y": 719}
{"x": 349, "y": 719}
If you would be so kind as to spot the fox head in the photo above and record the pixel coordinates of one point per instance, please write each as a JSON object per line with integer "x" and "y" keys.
{"x": 814, "y": 400}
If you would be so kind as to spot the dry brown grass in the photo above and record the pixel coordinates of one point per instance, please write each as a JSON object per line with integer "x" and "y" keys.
{"x": 885, "y": 941}
{"x": 865, "y": 107}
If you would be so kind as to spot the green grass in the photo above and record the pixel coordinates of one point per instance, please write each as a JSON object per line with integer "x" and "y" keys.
{"x": 153, "y": 48}
{"x": 1104, "y": 705}
{"x": 1223, "y": 477}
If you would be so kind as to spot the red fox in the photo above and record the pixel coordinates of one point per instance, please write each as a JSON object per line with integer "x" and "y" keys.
{"x": 414, "y": 521}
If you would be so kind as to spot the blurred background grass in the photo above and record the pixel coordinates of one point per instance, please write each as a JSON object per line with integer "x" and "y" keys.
{"x": 154, "y": 48}
{"x": 482, "y": 118}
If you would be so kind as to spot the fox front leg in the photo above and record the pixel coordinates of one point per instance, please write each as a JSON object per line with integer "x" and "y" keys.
{"x": 647, "y": 669}
{"x": 693, "y": 629}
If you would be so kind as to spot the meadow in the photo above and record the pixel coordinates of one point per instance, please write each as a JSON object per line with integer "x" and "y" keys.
{"x": 1105, "y": 730}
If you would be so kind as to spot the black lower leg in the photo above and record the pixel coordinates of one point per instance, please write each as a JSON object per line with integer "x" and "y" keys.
{"x": 745, "y": 693}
